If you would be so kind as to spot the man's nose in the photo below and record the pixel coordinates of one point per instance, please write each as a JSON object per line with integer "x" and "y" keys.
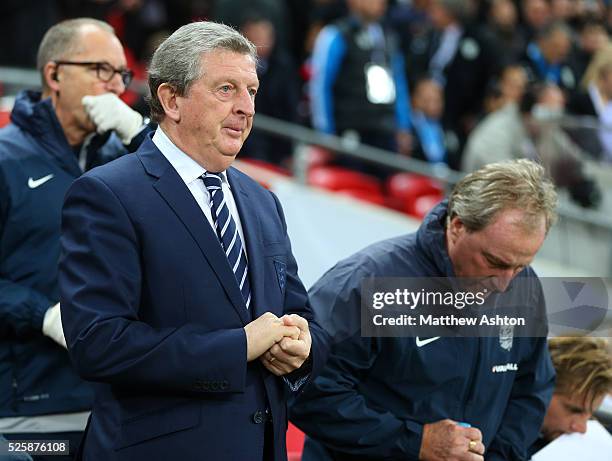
{"x": 245, "y": 103}
{"x": 579, "y": 424}
{"x": 503, "y": 279}
{"x": 116, "y": 85}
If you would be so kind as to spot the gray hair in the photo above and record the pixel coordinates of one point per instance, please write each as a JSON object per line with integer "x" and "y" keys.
{"x": 62, "y": 41}
{"x": 518, "y": 184}
{"x": 177, "y": 61}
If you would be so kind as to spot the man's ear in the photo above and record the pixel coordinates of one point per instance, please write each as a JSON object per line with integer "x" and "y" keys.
{"x": 455, "y": 229}
{"x": 168, "y": 99}
{"x": 51, "y": 77}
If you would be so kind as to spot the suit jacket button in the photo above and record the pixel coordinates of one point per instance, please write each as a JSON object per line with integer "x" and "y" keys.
{"x": 258, "y": 417}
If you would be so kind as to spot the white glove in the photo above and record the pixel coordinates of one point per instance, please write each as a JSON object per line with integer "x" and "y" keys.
{"x": 52, "y": 325}
{"x": 108, "y": 112}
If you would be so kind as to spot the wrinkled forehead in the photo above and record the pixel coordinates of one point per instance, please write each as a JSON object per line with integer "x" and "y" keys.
{"x": 223, "y": 62}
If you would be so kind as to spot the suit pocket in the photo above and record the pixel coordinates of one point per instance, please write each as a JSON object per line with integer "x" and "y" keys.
{"x": 158, "y": 423}
{"x": 274, "y": 249}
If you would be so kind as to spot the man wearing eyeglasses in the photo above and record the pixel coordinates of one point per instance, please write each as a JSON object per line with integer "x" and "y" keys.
{"x": 76, "y": 123}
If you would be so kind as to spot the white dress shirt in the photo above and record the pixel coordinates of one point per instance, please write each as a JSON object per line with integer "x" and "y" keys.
{"x": 190, "y": 172}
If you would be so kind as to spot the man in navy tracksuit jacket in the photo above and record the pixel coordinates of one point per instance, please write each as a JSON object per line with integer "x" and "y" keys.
{"x": 50, "y": 141}
{"x": 402, "y": 398}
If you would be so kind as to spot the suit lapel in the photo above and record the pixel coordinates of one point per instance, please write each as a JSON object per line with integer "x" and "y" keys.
{"x": 251, "y": 229}
{"x": 174, "y": 191}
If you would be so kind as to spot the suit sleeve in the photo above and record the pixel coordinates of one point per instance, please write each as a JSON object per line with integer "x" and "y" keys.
{"x": 296, "y": 302}
{"x": 332, "y": 410}
{"x": 100, "y": 284}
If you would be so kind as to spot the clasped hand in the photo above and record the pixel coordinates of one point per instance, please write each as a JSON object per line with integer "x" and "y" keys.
{"x": 446, "y": 440}
{"x": 281, "y": 344}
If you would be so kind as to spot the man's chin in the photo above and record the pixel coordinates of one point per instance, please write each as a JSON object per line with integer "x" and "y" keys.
{"x": 88, "y": 126}
{"x": 231, "y": 153}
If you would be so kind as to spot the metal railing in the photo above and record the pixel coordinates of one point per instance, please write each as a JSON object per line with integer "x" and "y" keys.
{"x": 15, "y": 79}
{"x": 378, "y": 156}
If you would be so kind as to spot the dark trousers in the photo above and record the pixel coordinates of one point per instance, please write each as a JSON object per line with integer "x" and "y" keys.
{"x": 268, "y": 442}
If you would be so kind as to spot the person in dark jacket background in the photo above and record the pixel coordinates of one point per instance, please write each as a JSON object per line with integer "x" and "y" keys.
{"x": 279, "y": 92}
{"x": 76, "y": 123}
{"x": 453, "y": 52}
{"x": 358, "y": 87}
{"x": 403, "y": 398}
{"x": 432, "y": 141}
{"x": 545, "y": 59}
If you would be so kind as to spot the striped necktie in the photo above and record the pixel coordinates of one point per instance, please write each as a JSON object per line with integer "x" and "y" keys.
{"x": 228, "y": 234}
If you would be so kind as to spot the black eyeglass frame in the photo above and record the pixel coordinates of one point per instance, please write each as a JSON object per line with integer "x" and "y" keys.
{"x": 126, "y": 74}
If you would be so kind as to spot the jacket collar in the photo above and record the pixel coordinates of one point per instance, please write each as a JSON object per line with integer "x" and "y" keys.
{"x": 174, "y": 191}
{"x": 431, "y": 238}
{"x": 37, "y": 116}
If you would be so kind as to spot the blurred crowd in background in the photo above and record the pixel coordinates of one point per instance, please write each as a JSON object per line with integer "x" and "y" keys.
{"x": 457, "y": 82}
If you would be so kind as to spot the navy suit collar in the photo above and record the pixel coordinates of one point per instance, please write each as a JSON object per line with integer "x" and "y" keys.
{"x": 174, "y": 191}
{"x": 152, "y": 159}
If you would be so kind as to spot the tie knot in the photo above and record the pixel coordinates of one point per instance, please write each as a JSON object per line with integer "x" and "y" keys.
{"x": 212, "y": 181}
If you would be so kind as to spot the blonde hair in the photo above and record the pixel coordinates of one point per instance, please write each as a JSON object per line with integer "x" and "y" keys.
{"x": 583, "y": 365}
{"x": 600, "y": 64}
{"x": 518, "y": 184}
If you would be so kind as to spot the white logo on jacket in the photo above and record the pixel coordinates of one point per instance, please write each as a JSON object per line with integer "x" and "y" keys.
{"x": 504, "y": 368}
{"x": 34, "y": 183}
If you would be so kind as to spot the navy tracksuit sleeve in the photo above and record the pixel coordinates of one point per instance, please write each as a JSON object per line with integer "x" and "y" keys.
{"x": 22, "y": 308}
{"x": 331, "y": 409}
{"x": 525, "y": 412}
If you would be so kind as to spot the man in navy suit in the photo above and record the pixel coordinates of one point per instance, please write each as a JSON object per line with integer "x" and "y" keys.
{"x": 179, "y": 292}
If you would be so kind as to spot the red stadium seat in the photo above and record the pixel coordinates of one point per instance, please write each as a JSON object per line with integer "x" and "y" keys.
{"x": 5, "y": 118}
{"x": 317, "y": 156}
{"x": 404, "y": 189}
{"x": 337, "y": 178}
{"x": 267, "y": 165}
{"x": 366, "y": 196}
{"x": 348, "y": 182}
{"x": 425, "y": 203}
{"x": 295, "y": 443}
